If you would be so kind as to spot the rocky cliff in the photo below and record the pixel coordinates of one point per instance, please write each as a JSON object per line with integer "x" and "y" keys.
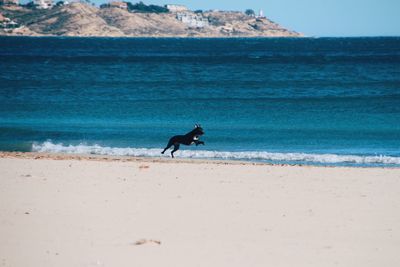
{"x": 78, "y": 19}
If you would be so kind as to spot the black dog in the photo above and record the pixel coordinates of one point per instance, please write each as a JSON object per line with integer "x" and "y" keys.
{"x": 191, "y": 137}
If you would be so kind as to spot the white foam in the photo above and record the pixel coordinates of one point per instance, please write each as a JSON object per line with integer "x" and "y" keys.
{"x": 239, "y": 155}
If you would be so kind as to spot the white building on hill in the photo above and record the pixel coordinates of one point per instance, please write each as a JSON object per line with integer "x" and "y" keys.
{"x": 176, "y": 8}
{"x": 118, "y": 4}
{"x": 43, "y": 4}
{"x": 260, "y": 14}
{"x": 192, "y": 20}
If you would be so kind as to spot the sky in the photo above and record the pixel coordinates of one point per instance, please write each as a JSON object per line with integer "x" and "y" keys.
{"x": 319, "y": 18}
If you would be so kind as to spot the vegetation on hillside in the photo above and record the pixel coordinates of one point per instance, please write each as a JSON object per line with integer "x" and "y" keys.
{"x": 143, "y": 8}
{"x": 250, "y": 12}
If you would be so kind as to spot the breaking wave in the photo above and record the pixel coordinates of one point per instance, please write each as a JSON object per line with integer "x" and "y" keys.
{"x": 50, "y": 147}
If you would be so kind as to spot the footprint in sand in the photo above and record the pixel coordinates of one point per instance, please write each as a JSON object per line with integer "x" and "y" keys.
{"x": 147, "y": 241}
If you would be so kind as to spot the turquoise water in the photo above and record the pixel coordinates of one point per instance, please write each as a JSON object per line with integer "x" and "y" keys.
{"x": 330, "y": 101}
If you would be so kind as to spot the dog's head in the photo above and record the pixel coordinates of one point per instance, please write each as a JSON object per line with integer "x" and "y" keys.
{"x": 198, "y": 130}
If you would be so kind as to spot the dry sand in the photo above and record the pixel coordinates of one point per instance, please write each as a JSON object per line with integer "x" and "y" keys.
{"x": 140, "y": 212}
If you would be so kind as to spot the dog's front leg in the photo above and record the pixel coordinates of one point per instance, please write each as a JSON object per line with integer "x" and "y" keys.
{"x": 198, "y": 142}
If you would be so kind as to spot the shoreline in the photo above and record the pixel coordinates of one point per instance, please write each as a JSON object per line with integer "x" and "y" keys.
{"x": 203, "y": 37}
{"x": 108, "y": 158}
{"x": 173, "y": 37}
{"x": 112, "y": 158}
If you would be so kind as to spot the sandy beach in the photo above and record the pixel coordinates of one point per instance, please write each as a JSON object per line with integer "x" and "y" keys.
{"x": 94, "y": 211}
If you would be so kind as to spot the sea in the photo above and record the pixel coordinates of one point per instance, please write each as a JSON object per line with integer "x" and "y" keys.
{"x": 316, "y": 101}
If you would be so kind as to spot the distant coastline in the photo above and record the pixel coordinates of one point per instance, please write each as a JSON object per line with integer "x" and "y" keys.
{"x": 116, "y": 19}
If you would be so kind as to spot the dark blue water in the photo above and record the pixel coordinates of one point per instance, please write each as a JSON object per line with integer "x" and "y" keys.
{"x": 318, "y": 101}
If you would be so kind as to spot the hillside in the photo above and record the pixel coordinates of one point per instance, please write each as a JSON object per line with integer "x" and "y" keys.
{"x": 78, "y": 19}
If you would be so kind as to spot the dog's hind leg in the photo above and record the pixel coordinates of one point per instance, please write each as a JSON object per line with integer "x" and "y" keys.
{"x": 176, "y": 147}
{"x": 168, "y": 146}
